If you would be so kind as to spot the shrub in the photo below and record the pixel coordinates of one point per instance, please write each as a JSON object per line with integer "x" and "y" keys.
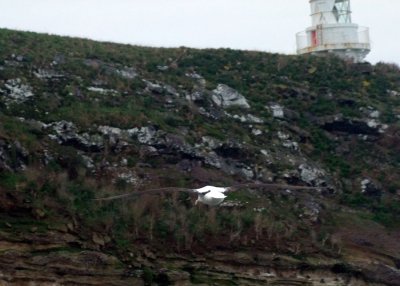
{"x": 11, "y": 180}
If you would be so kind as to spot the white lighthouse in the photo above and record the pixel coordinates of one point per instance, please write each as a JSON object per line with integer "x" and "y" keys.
{"x": 333, "y": 32}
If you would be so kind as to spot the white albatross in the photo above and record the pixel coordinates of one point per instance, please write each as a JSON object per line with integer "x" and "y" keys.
{"x": 210, "y": 195}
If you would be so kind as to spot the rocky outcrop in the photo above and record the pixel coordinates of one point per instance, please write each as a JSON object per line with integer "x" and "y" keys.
{"x": 57, "y": 268}
{"x": 225, "y": 96}
{"x": 248, "y": 118}
{"x": 66, "y": 134}
{"x": 261, "y": 268}
{"x": 160, "y": 89}
{"x": 393, "y": 93}
{"x": 226, "y": 156}
{"x": 277, "y": 110}
{"x": 13, "y": 156}
{"x": 102, "y": 90}
{"x": 16, "y": 91}
{"x": 280, "y": 112}
{"x": 369, "y": 188}
{"x": 287, "y": 142}
{"x": 125, "y": 72}
{"x": 311, "y": 175}
{"x": 47, "y": 74}
{"x": 351, "y": 126}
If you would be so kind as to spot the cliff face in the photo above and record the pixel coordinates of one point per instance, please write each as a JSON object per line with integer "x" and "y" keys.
{"x": 80, "y": 119}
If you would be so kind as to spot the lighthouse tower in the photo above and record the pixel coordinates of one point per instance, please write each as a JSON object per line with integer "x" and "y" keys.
{"x": 333, "y": 32}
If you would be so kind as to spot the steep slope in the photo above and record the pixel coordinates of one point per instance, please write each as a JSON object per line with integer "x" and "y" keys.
{"x": 82, "y": 119}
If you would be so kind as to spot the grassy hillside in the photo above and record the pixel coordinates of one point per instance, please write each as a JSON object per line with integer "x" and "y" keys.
{"x": 81, "y": 119}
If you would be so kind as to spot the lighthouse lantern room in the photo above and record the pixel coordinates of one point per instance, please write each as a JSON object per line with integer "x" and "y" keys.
{"x": 332, "y": 31}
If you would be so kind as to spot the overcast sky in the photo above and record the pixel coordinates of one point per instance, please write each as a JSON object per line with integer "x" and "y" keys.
{"x": 264, "y": 25}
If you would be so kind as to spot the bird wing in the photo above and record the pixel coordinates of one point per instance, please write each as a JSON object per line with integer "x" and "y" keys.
{"x": 207, "y": 189}
{"x": 270, "y": 186}
{"x": 146, "y": 192}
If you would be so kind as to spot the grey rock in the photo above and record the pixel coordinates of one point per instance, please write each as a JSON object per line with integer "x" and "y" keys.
{"x": 171, "y": 90}
{"x": 124, "y": 72}
{"x": 370, "y": 188}
{"x": 264, "y": 174}
{"x": 338, "y": 123}
{"x": 311, "y": 211}
{"x": 200, "y": 81}
{"x": 256, "y": 132}
{"x": 4, "y": 165}
{"x": 124, "y": 162}
{"x": 248, "y": 118}
{"x": 280, "y": 112}
{"x": 88, "y": 162}
{"x": 13, "y": 156}
{"x": 212, "y": 152}
{"x": 375, "y": 114}
{"x": 247, "y": 172}
{"x": 17, "y": 92}
{"x": 210, "y": 142}
{"x": 128, "y": 176}
{"x": 370, "y": 112}
{"x": 193, "y": 75}
{"x": 212, "y": 159}
{"x": 254, "y": 119}
{"x": 283, "y": 136}
{"x": 312, "y": 175}
{"x": 153, "y": 87}
{"x": 373, "y": 123}
{"x": 21, "y": 150}
{"x": 145, "y": 135}
{"x": 277, "y": 110}
{"x": 159, "y": 88}
{"x": 63, "y": 127}
{"x": 127, "y": 72}
{"x": 13, "y": 63}
{"x": 393, "y": 93}
{"x": 290, "y": 144}
{"x": 67, "y": 134}
{"x": 99, "y": 82}
{"x": 18, "y": 58}
{"x": 93, "y": 63}
{"x": 116, "y": 137}
{"x": 102, "y": 90}
{"x": 225, "y": 96}
{"x": 162, "y": 68}
{"x": 58, "y": 59}
{"x": 111, "y": 131}
{"x": 196, "y": 96}
{"x": 47, "y": 157}
{"x": 48, "y": 74}
{"x": 232, "y": 204}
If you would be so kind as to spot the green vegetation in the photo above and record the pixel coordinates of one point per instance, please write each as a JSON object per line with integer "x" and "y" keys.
{"x": 386, "y": 212}
{"x": 10, "y": 180}
{"x": 57, "y": 181}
